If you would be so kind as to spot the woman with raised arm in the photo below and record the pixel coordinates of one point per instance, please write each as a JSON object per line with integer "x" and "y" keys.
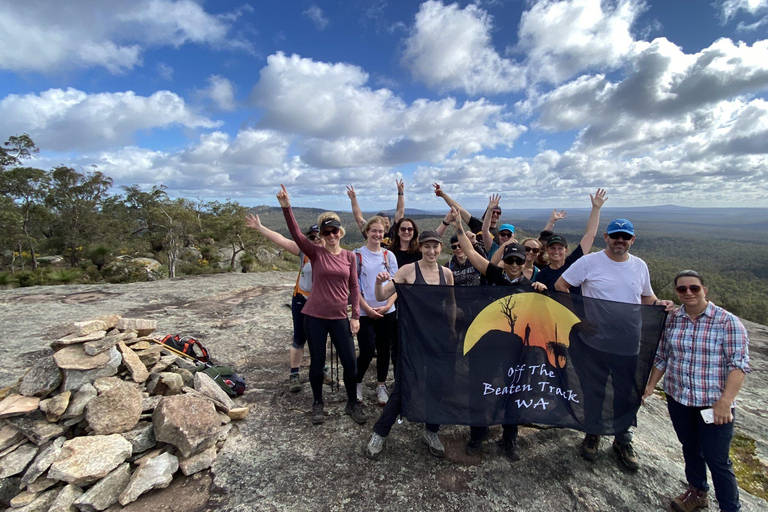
{"x": 557, "y": 246}
{"x": 378, "y": 325}
{"x": 334, "y": 284}
{"x": 424, "y": 271}
{"x": 405, "y": 245}
{"x": 300, "y": 290}
{"x": 532, "y": 252}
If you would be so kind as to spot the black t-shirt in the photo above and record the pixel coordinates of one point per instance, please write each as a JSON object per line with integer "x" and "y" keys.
{"x": 476, "y": 226}
{"x": 495, "y": 275}
{"x": 405, "y": 257}
{"x": 549, "y": 276}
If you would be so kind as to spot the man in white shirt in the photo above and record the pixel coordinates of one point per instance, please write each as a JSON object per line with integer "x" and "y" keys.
{"x": 615, "y": 275}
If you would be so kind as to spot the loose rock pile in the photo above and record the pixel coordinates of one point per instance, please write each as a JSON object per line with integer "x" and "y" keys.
{"x": 107, "y": 417}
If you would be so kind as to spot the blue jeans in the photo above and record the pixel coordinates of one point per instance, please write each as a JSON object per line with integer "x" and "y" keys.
{"x": 706, "y": 445}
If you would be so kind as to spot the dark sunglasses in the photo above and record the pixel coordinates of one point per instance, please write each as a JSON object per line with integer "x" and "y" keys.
{"x": 515, "y": 261}
{"x": 312, "y": 238}
{"x": 329, "y": 232}
{"x": 405, "y": 230}
{"x": 694, "y": 288}
{"x": 505, "y": 233}
{"x": 455, "y": 246}
{"x": 622, "y": 235}
{"x": 534, "y": 250}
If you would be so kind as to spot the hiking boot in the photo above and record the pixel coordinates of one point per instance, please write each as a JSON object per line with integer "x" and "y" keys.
{"x": 359, "y": 392}
{"x": 327, "y": 377}
{"x": 356, "y": 411}
{"x": 431, "y": 439}
{"x": 590, "y": 446}
{"x": 318, "y": 416}
{"x": 475, "y": 446}
{"x": 374, "y": 446}
{"x": 510, "y": 450}
{"x": 294, "y": 383}
{"x": 691, "y": 499}
{"x": 626, "y": 453}
{"x": 381, "y": 394}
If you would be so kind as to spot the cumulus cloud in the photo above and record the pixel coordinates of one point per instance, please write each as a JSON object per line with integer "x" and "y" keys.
{"x": 315, "y": 14}
{"x": 344, "y": 123}
{"x": 92, "y": 33}
{"x": 730, "y": 8}
{"x": 220, "y": 92}
{"x": 65, "y": 120}
{"x": 450, "y": 48}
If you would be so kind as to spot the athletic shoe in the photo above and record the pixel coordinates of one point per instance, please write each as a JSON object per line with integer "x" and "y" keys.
{"x": 381, "y": 394}
{"x": 626, "y": 453}
{"x": 590, "y": 447}
{"x": 356, "y": 411}
{"x": 318, "y": 416}
{"x": 327, "y": 377}
{"x": 475, "y": 447}
{"x": 510, "y": 450}
{"x": 294, "y": 383}
{"x": 374, "y": 447}
{"x": 431, "y": 439}
{"x": 690, "y": 500}
{"x": 359, "y": 392}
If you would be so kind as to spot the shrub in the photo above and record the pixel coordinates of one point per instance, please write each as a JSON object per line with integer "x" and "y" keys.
{"x": 65, "y": 275}
{"x": 31, "y": 278}
{"x": 100, "y": 256}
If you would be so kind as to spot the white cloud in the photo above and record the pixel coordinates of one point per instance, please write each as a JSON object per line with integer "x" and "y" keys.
{"x": 450, "y": 48}
{"x": 113, "y": 35}
{"x": 315, "y": 14}
{"x": 344, "y": 123}
{"x": 220, "y": 92}
{"x": 729, "y": 8}
{"x": 65, "y": 120}
{"x": 165, "y": 71}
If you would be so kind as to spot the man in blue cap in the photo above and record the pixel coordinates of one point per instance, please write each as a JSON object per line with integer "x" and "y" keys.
{"x": 613, "y": 275}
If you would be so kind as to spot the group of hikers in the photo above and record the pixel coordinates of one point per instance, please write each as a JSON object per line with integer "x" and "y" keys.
{"x": 703, "y": 353}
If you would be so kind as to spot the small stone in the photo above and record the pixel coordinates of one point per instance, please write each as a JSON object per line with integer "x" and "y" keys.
{"x": 104, "y": 384}
{"x": 98, "y": 346}
{"x": 42, "y": 484}
{"x": 86, "y": 459}
{"x": 190, "y": 433}
{"x": 141, "y": 345}
{"x": 42, "y": 503}
{"x": 16, "y": 405}
{"x": 173, "y": 383}
{"x": 9, "y": 487}
{"x": 156, "y": 473}
{"x": 150, "y": 402}
{"x": 106, "y": 491}
{"x": 42, "y": 461}
{"x": 238, "y": 413}
{"x": 13, "y": 447}
{"x": 66, "y": 498}
{"x": 77, "y": 404}
{"x": 133, "y": 363}
{"x": 9, "y": 436}
{"x": 139, "y": 460}
{"x": 74, "y": 357}
{"x": 187, "y": 364}
{"x": 142, "y": 326}
{"x": 23, "y": 499}
{"x": 142, "y": 437}
{"x": 116, "y": 410}
{"x": 154, "y": 385}
{"x": 53, "y": 408}
{"x": 36, "y": 428}
{"x": 198, "y": 462}
{"x": 150, "y": 356}
{"x": 163, "y": 363}
{"x": 187, "y": 376}
{"x": 219, "y": 406}
{"x": 74, "y": 339}
{"x": 89, "y": 326}
{"x": 18, "y": 460}
{"x": 74, "y": 379}
{"x": 225, "y": 419}
{"x": 206, "y": 385}
{"x": 110, "y": 321}
{"x": 43, "y": 378}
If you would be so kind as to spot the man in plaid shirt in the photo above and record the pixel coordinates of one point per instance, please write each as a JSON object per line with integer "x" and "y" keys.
{"x": 705, "y": 356}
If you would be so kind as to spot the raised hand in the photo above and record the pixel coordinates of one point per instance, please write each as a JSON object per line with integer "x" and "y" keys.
{"x": 472, "y": 237}
{"x": 455, "y": 218}
{"x": 382, "y": 277}
{"x": 557, "y": 215}
{"x": 598, "y": 199}
{"x": 282, "y": 197}
{"x": 253, "y": 221}
{"x": 400, "y": 186}
{"x": 351, "y": 192}
{"x": 438, "y": 190}
{"x": 493, "y": 201}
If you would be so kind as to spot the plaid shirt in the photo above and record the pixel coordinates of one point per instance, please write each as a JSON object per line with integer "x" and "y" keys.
{"x": 698, "y": 356}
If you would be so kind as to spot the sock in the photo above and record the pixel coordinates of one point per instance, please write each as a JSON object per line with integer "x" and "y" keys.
{"x": 295, "y": 370}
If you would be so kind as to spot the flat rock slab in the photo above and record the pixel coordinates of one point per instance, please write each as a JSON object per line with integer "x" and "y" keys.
{"x": 142, "y": 326}
{"x": 74, "y": 379}
{"x": 16, "y": 405}
{"x": 66, "y": 498}
{"x": 115, "y": 410}
{"x": 106, "y": 491}
{"x": 77, "y": 404}
{"x": 43, "y": 461}
{"x": 18, "y": 460}
{"x": 74, "y": 357}
{"x": 87, "y": 327}
{"x": 142, "y": 437}
{"x": 36, "y": 428}
{"x": 133, "y": 363}
{"x": 74, "y": 339}
{"x": 54, "y": 407}
{"x": 86, "y": 459}
{"x": 198, "y": 462}
{"x": 190, "y": 433}
{"x": 156, "y": 473}
{"x": 206, "y": 385}
{"x": 101, "y": 345}
{"x": 9, "y": 436}
{"x": 43, "y": 378}
{"x": 40, "y": 504}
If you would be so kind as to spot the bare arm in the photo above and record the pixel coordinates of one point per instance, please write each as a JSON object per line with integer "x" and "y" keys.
{"x": 656, "y": 375}
{"x": 722, "y": 407}
{"x": 554, "y": 217}
{"x": 496, "y": 258}
{"x": 477, "y": 261}
{"x": 357, "y": 213}
{"x": 444, "y": 224}
{"x": 487, "y": 237}
{"x": 562, "y": 285}
{"x": 439, "y": 192}
{"x": 594, "y": 220}
{"x": 400, "y": 208}
{"x": 253, "y": 221}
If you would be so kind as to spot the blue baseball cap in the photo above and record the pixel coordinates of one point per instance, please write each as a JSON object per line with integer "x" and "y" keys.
{"x": 620, "y": 226}
{"x": 507, "y": 227}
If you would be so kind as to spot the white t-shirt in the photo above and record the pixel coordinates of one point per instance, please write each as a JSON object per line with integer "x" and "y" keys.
{"x": 602, "y": 278}
{"x": 371, "y": 263}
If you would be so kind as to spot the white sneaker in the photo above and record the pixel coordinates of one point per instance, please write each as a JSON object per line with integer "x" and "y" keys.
{"x": 374, "y": 446}
{"x": 359, "y": 392}
{"x": 436, "y": 448}
{"x": 381, "y": 394}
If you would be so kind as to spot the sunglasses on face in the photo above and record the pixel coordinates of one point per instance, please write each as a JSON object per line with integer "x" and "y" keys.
{"x": 623, "y": 236}
{"x": 505, "y": 234}
{"x": 329, "y": 232}
{"x": 455, "y": 246}
{"x": 406, "y": 230}
{"x": 694, "y": 288}
{"x": 514, "y": 261}
{"x": 534, "y": 250}
{"x": 312, "y": 238}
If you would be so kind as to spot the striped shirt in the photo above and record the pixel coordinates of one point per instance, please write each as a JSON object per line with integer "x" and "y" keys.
{"x": 698, "y": 355}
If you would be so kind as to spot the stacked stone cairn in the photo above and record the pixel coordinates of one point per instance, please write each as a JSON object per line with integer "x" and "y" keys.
{"x": 108, "y": 416}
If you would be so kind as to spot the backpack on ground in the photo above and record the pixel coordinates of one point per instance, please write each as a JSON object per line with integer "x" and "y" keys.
{"x": 225, "y": 377}
{"x": 187, "y": 345}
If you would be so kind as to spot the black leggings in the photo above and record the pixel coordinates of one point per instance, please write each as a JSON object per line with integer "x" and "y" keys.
{"x": 378, "y": 333}
{"x": 317, "y": 331}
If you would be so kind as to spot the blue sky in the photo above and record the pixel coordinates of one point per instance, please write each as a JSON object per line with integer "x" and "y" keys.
{"x": 659, "y": 102}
